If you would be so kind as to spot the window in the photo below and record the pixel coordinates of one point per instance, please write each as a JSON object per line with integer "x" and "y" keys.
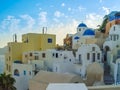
{"x": 114, "y": 28}
{"x": 24, "y": 72}
{"x": 29, "y": 72}
{"x": 43, "y": 55}
{"x": 49, "y": 40}
{"x": 98, "y": 56}
{"x": 30, "y": 54}
{"x": 25, "y": 55}
{"x": 93, "y": 48}
{"x": 88, "y": 56}
{"x": 26, "y": 40}
{"x": 93, "y": 57}
{"x": 36, "y": 58}
{"x": 79, "y": 29}
{"x": 80, "y": 61}
{"x": 53, "y": 54}
{"x": 56, "y": 55}
{"x": 16, "y": 72}
{"x": 111, "y": 37}
{"x": 114, "y": 37}
{"x": 9, "y": 68}
{"x": 9, "y": 49}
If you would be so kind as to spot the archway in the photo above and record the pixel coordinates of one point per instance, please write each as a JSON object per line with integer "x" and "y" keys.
{"x": 16, "y": 72}
{"x": 106, "y": 49}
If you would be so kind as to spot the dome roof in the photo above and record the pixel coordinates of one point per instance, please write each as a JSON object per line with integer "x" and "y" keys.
{"x": 82, "y": 25}
{"x": 89, "y": 32}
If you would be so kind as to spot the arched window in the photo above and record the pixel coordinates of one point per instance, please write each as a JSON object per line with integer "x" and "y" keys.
{"x": 16, "y": 72}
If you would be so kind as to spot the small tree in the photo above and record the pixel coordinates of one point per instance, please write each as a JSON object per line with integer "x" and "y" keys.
{"x": 7, "y": 82}
{"x": 103, "y": 25}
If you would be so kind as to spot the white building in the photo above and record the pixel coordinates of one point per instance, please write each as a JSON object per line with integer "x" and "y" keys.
{"x": 63, "y": 67}
{"x": 112, "y": 43}
{"x": 83, "y": 32}
{"x": 58, "y": 56}
{"x": 22, "y": 74}
{"x": 31, "y": 55}
{"x": 117, "y": 71}
{"x": 86, "y": 54}
{"x": 112, "y": 52}
{"x": 66, "y": 86}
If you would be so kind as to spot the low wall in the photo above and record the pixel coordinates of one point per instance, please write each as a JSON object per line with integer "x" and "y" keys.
{"x": 106, "y": 87}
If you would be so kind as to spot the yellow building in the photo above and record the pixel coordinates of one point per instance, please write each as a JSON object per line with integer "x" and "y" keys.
{"x": 30, "y": 41}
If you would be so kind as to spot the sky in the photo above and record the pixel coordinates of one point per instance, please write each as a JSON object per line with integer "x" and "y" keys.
{"x": 59, "y": 16}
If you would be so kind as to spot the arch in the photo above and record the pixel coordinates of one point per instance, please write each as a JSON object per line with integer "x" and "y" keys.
{"x": 107, "y": 48}
{"x": 16, "y": 72}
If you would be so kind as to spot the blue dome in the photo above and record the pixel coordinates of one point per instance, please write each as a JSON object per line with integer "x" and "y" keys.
{"x": 82, "y": 25}
{"x": 89, "y": 32}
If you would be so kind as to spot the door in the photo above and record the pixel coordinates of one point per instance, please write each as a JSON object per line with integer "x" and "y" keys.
{"x": 93, "y": 57}
{"x": 80, "y": 61}
{"x": 118, "y": 73}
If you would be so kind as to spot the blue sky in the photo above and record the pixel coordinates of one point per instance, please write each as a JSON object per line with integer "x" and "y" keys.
{"x": 59, "y": 16}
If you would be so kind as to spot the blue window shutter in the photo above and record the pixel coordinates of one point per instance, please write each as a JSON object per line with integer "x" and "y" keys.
{"x": 49, "y": 40}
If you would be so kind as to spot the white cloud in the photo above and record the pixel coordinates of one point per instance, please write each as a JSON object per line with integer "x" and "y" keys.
{"x": 69, "y": 9}
{"x": 93, "y": 20}
{"x": 11, "y": 24}
{"x": 107, "y": 10}
{"x": 56, "y": 20}
{"x": 58, "y": 14}
{"x": 30, "y": 21}
{"x": 81, "y": 8}
{"x": 40, "y": 9}
{"x": 100, "y": 1}
{"x": 43, "y": 16}
{"x": 63, "y": 4}
{"x": 61, "y": 30}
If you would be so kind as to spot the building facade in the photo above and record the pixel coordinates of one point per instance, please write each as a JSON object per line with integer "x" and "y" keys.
{"x": 30, "y": 41}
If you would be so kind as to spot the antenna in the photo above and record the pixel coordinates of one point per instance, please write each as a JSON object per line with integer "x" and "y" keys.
{"x": 44, "y": 30}
{"x": 14, "y": 38}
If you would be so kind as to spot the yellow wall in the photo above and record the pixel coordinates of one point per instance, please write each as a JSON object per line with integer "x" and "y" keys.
{"x": 39, "y": 41}
{"x": 14, "y": 53}
{"x": 44, "y": 42}
{"x": 30, "y": 41}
